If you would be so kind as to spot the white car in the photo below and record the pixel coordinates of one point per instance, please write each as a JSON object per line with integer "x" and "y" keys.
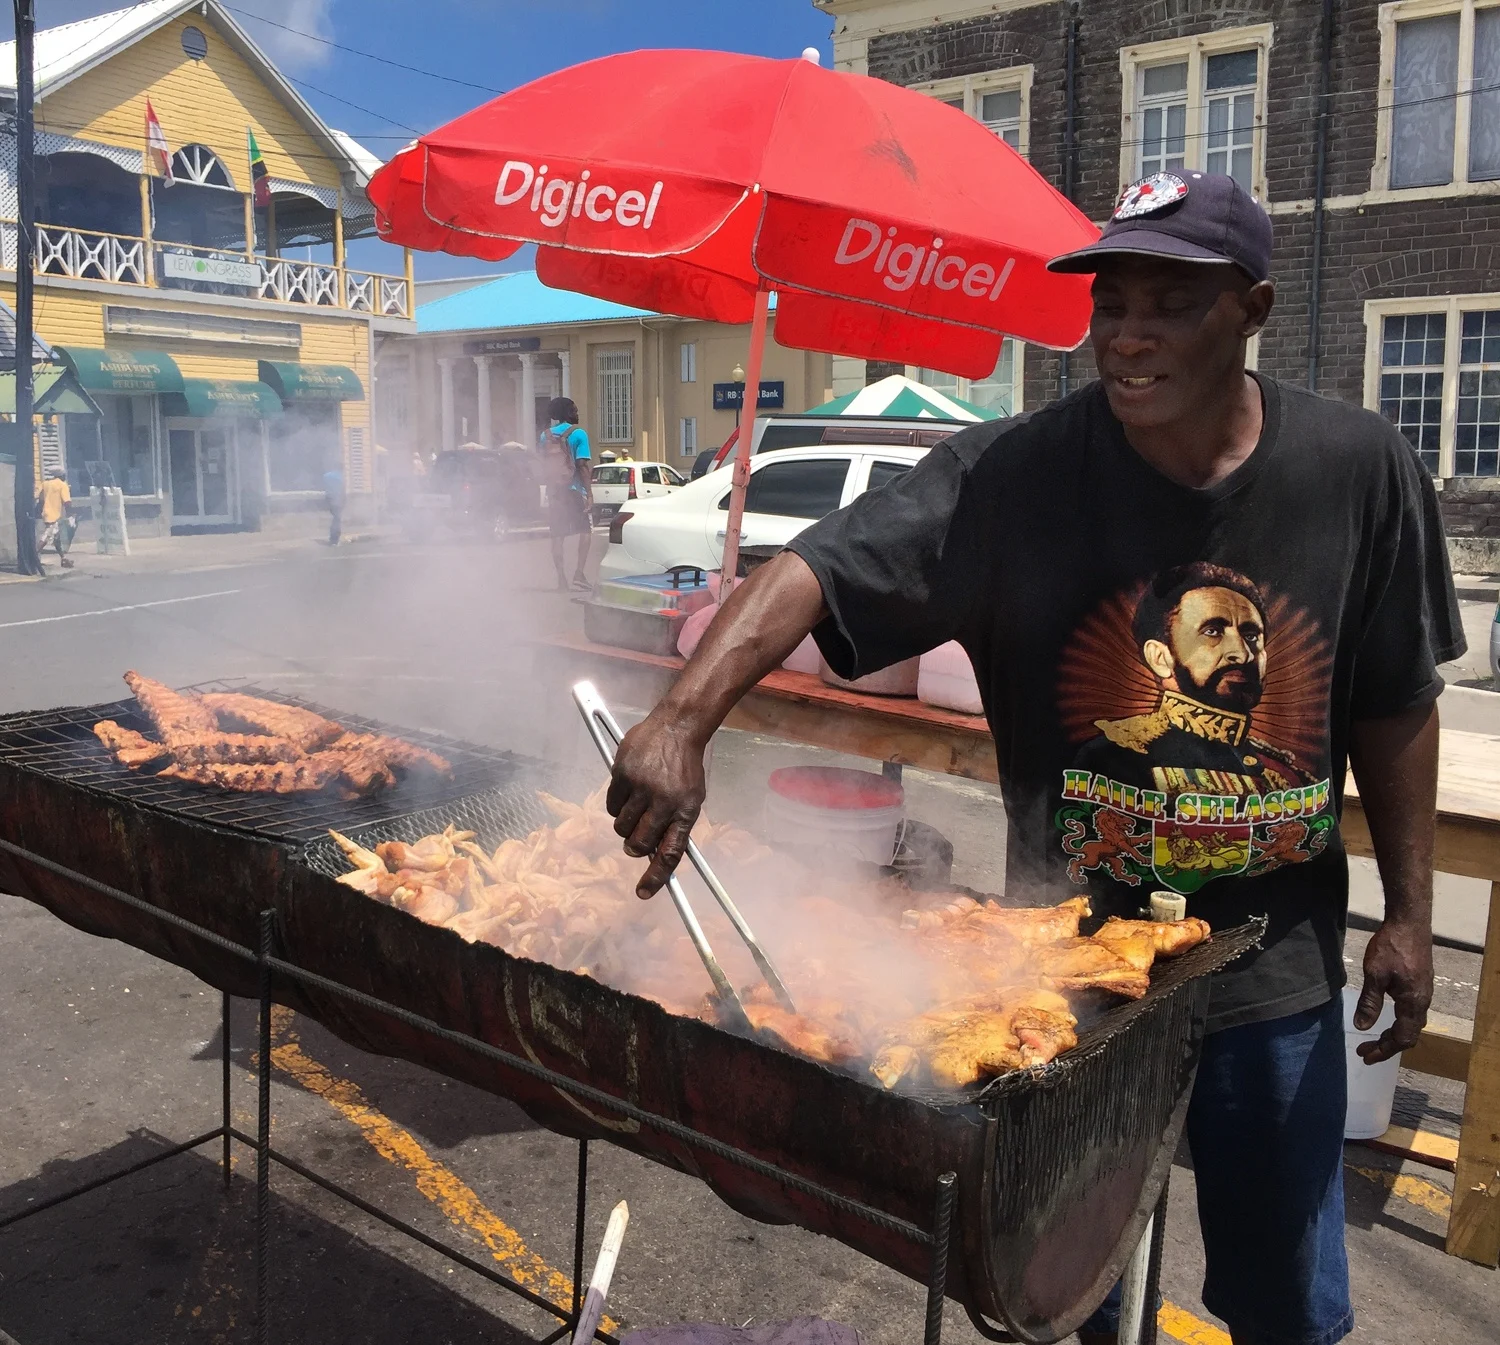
{"x": 789, "y": 490}
{"x": 617, "y": 482}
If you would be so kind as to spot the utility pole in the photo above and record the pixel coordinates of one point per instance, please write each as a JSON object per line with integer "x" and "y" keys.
{"x": 27, "y": 560}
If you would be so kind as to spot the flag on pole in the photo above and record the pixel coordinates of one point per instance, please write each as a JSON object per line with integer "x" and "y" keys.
{"x": 156, "y": 146}
{"x": 260, "y": 184}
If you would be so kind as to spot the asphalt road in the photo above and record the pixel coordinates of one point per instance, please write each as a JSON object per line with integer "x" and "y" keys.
{"x": 107, "y": 1055}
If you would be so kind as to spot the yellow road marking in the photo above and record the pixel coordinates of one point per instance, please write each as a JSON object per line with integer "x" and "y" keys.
{"x": 458, "y": 1201}
{"x": 1421, "y": 1193}
{"x": 1182, "y": 1326}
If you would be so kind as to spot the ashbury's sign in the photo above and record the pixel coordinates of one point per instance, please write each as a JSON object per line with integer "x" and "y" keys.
{"x": 210, "y": 270}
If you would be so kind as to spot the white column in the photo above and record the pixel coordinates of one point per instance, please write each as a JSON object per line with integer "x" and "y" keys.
{"x": 482, "y": 364}
{"x": 565, "y": 358}
{"x": 518, "y": 431}
{"x": 528, "y": 398}
{"x": 445, "y": 367}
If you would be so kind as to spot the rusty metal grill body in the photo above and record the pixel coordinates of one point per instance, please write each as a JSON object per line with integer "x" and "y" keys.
{"x": 1058, "y": 1169}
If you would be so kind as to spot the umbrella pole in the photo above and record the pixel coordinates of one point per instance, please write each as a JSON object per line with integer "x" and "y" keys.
{"x": 731, "y": 561}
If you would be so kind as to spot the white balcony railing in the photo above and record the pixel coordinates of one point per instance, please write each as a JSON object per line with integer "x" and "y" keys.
{"x": 82, "y": 255}
{"x": 294, "y": 282}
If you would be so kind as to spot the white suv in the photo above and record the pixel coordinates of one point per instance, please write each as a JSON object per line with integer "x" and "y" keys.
{"x": 789, "y": 490}
{"x": 615, "y": 483}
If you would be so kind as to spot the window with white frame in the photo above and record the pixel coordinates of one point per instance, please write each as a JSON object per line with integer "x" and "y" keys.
{"x": 1440, "y": 94}
{"x": 689, "y": 353}
{"x": 687, "y": 436}
{"x": 1197, "y": 104}
{"x": 1433, "y": 370}
{"x": 1001, "y": 99}
{"x": 616, "y": 377}
{"x": 1000, "y": 392}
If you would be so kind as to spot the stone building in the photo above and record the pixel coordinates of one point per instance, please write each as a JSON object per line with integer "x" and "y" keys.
{"x": 1371, "y": 131}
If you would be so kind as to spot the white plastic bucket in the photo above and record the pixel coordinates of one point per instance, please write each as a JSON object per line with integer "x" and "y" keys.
{"x": 900, "y": 679}
{"x": 1372, "y": 1088}
{"x": 838, "y": 812}
{"x": 804, "y": 658}
{"x": 945, "y": 678}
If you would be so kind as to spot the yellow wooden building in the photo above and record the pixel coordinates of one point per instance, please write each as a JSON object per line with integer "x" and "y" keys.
{"x": 228, "y": 346}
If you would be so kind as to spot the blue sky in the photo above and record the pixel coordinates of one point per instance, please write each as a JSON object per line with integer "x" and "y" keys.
{"x": 497, "y": 44}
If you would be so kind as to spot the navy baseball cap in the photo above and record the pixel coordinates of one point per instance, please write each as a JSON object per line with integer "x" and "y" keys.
{"x": 1192, "y": 217}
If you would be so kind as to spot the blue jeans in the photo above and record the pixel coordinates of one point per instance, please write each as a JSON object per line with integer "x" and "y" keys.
{"x": 1266, "y": 1131}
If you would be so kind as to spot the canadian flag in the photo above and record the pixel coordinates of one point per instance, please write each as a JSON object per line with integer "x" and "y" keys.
{"x": 156, "y": 145}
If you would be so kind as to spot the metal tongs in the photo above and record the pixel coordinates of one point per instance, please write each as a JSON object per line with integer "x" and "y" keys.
{"x": 606, "y": 733}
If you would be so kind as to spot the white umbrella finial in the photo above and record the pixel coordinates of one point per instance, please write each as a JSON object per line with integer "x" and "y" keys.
{"x": 812, "y": 54}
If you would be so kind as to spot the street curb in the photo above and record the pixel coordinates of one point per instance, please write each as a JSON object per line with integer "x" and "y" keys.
{"x": 1478, "y": 592}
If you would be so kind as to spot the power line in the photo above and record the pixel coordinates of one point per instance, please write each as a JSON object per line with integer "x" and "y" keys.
{"x": 368, "y": 55}
{"x": 379, "y": 116}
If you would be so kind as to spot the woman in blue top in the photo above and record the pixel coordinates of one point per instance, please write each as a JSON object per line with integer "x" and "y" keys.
{"x": 570, "y": 498}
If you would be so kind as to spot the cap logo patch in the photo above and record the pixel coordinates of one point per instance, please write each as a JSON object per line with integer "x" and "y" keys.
{"x": 1149, "y": 195}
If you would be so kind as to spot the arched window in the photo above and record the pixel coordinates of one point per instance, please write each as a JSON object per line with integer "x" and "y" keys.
{"x": 199, "y": 164}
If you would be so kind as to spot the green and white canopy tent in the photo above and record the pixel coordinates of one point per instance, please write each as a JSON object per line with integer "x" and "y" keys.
{"x": 905, "y": 399}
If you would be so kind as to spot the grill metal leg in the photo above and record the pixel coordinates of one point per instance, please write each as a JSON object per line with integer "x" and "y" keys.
{"x": 579, "y": 1210}
{"x": 1141, "y": 1283}
{"x": 942, "y": 1227}
{"x": 263, "y": 1138}
{"x": 224, "y": 1033}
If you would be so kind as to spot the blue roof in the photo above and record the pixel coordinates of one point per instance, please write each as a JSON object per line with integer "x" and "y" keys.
{"x": 516, "y": 299}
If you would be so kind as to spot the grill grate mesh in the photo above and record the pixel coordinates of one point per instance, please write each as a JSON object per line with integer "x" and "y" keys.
{"x": 61, "y": 744}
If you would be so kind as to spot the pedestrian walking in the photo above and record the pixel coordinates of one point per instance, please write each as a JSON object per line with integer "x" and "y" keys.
{"x": 569, "y": 489}
{"x": 333, "y": 492}
{"x": 52, "y": 503}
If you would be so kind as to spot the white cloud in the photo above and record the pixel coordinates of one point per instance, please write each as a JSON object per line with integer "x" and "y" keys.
{"x": 289, "y": 49}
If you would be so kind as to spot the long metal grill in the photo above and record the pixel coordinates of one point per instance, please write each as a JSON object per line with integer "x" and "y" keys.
{"x": 61, "y": 744}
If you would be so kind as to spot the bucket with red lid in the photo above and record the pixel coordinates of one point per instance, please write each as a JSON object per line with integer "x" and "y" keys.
{"x": 837, "y": 812}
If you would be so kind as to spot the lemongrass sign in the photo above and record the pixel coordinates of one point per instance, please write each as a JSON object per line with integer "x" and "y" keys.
{"x": 210, "y": 270}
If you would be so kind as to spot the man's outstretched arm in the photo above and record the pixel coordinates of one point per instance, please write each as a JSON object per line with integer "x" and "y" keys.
{"x": 658, "y": 782}
{"x": 1395, "y": 762}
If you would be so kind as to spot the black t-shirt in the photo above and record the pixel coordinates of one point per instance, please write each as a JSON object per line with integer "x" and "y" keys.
{"x": 1169, "y": 673}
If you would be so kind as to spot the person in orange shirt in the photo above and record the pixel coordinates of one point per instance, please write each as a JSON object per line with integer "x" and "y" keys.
{"x": 51, "y": 505}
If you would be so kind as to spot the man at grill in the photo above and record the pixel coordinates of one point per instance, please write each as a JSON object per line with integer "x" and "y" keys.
{"x": 1292, "y": 539}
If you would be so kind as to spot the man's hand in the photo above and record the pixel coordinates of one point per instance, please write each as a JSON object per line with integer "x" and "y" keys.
{"x": 1398, "y": 963}
{"x": 655, "y": 795}
{"x": 658, "y": 782}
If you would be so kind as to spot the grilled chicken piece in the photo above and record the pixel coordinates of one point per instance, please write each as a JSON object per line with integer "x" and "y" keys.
{"x": 1086, "y": 964}
{"x": 965, "y": 1042}
{"x": 830, "y": 1041}
{"x": 1031, "y": 925}
{"x": 172, "y": 712}
{"x": 232, "y": 749}
{"x": 131, "y": 749}
{"x": 304, "y": 776}
{"x": 254, "y": 714}
{"x": 1167, "y": 937}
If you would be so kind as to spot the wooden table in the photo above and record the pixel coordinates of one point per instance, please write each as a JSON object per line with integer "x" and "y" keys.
{"x": 801, "y": 708}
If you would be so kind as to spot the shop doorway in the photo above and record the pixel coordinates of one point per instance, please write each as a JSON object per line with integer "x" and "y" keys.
{"x": 204, "y": 467}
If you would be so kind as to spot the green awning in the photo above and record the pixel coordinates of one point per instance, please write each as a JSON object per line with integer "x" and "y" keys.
{"x": 312, "y": 382}
{"x": 206, "y": 398}
{"x": 142, "y": 371}
{"x": 54, "y": 392}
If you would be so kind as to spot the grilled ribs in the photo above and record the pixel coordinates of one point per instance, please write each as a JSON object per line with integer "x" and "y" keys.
{"x": 306, "y": 775}
{"x": 231, "y": 749}
{"x": 254, "y": 715}
{"x": 131, "y": 749}
{"x": 404, "y": 756}
{"x": 173, "y": 713}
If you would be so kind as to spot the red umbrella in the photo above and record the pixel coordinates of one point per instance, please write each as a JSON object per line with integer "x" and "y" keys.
{"x": 890, "y": 225}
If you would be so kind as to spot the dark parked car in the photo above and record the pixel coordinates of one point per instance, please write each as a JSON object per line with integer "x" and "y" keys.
{"x": 481, "y": 492}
